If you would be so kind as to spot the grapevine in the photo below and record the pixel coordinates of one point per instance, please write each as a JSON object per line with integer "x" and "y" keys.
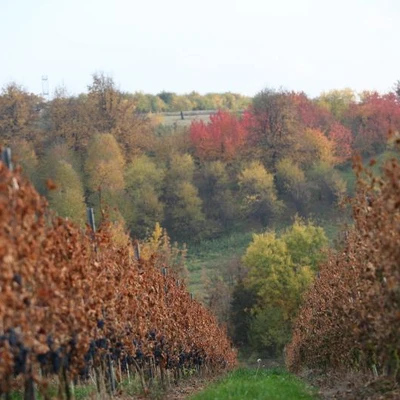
{"x": 73, "y": 303}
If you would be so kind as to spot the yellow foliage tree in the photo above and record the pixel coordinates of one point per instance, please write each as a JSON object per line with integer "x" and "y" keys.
{"x": 104, "y": 165}
{"x": 316, "y": 147}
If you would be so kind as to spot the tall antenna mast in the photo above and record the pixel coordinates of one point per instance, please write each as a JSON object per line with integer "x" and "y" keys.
{"x": 45, "y": 86}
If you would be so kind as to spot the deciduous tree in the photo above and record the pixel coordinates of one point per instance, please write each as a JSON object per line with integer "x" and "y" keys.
{"x": 280, "y": 269}
{"x": 18, "y": 112}
{"x": 143, "y": 208}
{"x": 67, "y": 198}
{"x": 184, "y": 215}
{"x": 372, "y": 120}
{"x": 258, "y": 192}
{"x": 343, "y": 142}
{"x": 273, "y": 126}
{"x": 220, "y": 139}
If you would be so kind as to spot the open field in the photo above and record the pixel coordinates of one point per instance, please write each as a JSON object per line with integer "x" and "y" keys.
{"x": 175, "y": 119}
{"x": 209, "y": 257}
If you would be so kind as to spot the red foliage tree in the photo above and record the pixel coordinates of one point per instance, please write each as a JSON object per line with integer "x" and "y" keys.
{"x": 221, "y": 138}
{"x": 310, "y": 113}
{"x": 372, "y": 119}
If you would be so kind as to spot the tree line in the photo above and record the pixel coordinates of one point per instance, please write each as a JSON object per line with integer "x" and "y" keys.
{"x": 282, "y": 156}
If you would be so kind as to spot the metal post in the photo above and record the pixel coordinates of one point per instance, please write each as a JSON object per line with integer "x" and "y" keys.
{"x": 6, "y": 158}
{"x": 90, "y": 217}
{"x": 136, "y": 251}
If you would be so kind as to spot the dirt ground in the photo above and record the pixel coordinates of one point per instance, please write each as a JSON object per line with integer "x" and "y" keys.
{"x": 353, "y": 386}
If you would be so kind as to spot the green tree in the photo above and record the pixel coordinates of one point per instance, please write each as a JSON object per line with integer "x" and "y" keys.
{"x": 305, "y": 242}
{"x": 181, "y": 103}
{"x": 24, "y": 154}
{"x": 185, "y": 218}
{"x": 219, "y": 201}
{"x": 104, "y": 169}
{"x": 47, "y": 165}
{"x": 144, "y": 181}
{"x": 180, "y": 168}
{"x": 291, "y": 180}
{"x": 269, "y": 331}
{"x": 337, "y": 101}
{"x": 67, "y": 199}
{"x": 259, "y": 196}
{"x": 243, "y": 300}
{"x": 280, "y": 269}
{"x": 327, "y": 186}
{"x": 184, "y": 215}
{"x": 167, "y": 98}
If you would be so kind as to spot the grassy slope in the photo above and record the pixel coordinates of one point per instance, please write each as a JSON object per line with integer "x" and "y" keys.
{"x": 207, "y": 257}
{"x": 349, "y": 176}
{"x": 250, "y": 384}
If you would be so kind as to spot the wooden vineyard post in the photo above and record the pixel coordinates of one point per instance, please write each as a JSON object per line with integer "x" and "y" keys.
{"x": 111, "y": 386}
{"x": 29, "y": 389}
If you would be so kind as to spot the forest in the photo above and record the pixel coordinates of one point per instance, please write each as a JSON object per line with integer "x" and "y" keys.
{"x": 282, "y": 155}
{"x": 275, "y": 170}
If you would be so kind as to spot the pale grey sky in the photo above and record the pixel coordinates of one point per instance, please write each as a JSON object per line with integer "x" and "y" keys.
{"x": 208, "y": 46}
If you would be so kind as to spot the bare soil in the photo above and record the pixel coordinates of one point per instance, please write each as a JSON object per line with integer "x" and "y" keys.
{"x": 352, "y": 386}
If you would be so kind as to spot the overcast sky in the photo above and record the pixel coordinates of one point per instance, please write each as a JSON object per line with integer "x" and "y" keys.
{"x": 208, "y": 46}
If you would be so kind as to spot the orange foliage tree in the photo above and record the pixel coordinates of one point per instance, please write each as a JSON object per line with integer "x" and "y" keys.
{"x": 343, "y": 141}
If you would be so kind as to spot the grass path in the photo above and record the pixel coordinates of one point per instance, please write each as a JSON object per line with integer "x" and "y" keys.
{"x": 264, "y": 384}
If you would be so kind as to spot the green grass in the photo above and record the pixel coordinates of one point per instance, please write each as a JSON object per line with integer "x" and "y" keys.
{"x": 222, "y": 246}
{"x": 265, "y": 384}
{"x": 84, "y": 391}
{"x": 208, "y": 257}
{"x": 349, "y": 176}
{"x": 80, "y": 392}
